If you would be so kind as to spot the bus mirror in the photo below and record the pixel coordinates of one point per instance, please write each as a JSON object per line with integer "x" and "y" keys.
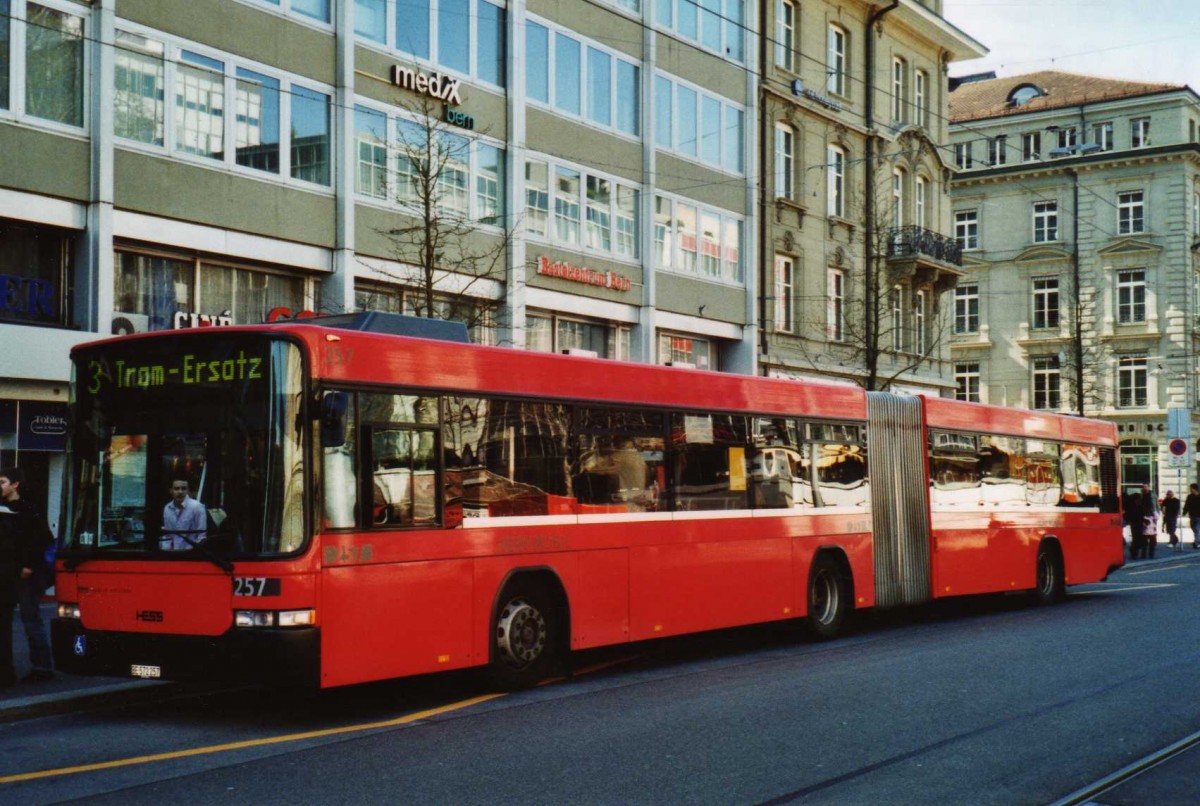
{"x": 333, "y": 419}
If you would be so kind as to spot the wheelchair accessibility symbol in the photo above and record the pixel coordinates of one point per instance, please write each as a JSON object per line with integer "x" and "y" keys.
{"x": 80, "y": 645}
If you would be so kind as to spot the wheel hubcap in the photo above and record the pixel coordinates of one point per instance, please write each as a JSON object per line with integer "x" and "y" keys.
{"x": 520, "y": 633}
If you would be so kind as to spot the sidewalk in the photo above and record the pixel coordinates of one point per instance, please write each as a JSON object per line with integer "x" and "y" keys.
{"x": 65, "y": 692}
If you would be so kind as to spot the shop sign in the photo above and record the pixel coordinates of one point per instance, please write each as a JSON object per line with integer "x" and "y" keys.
{"x": 456, "y": 118}
{"x": 184, "y": 320}
{"x": 438, "y": 86}
{"x": 26, "y": 298}
{"x": 579, "y": 274}
{"x": 39, "y": 425}
{"x": 798, "y": 88}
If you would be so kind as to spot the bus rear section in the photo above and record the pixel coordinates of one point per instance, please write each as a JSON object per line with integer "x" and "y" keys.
{"x": 185, "y": 552}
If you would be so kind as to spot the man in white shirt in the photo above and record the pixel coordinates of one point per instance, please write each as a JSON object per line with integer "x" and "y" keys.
{"x": 184, "y": 519}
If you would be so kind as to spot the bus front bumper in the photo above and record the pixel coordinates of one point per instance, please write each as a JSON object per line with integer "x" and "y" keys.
{"x": 272, "y": 656}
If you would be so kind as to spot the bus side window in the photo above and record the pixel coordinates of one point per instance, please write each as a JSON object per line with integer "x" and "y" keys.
{"x": 617, "y": 464}
{"x": 403, "y": 477}
{"x": 710, "y": 468}
{"x": 339, "y": 485}
{"x": 1002, "y": 470}
{"x": 954, "y": 470}
{"x": 775, "y": 466}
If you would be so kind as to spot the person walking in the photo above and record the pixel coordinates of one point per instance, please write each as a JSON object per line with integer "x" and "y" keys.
{"x": 1170, "y": 518}
{"x": 1191, "y": 509}
{"x": 1133, "y": 519}
{"x": 31, "y": 537}
{"x": 1149, "y": 521}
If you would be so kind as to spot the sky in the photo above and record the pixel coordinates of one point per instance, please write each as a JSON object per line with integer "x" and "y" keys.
{"x": 1137, "y": 40}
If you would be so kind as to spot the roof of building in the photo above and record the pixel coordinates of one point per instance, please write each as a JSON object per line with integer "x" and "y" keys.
{"x": 1035, "y": 92}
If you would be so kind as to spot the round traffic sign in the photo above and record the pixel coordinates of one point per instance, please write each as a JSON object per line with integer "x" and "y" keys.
{"x": 1177, "y": 447}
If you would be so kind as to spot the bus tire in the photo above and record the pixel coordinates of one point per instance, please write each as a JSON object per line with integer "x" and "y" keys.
{"x": 524, "y": 637}
{"x": 828, "y": 599}
{"x": 1051, "y": 586}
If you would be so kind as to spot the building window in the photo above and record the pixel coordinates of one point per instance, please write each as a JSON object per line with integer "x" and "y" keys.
{"x": 703, "y": 127}
{"x": 920, "y": 216}
{"x": 966, "y": 381}
{"x": 1139, "y": 133}
{"x": 920, "y": 343}
{"x": 998, "y": 150}
{"x": 1031, "y": 146}
{"x": 966, "y": 229}
{"x": 1045, "y": 221}
{"x": 139, "y": 105}
{"x": 1132, "y": 376}
{"x": 785, "y": 43}
{"x": 1067, "y": 141}
{"x": 604, "y": 95}
{"x": 1045, "y": 303}
{"x": 896, "y": 304}
{"x": 1131, "y": 297}
{"x": 537, "y": 197}
{"x": 53, "y": 63}
{"x": 371, "y": 138}
{"x": 898, "y": 178}
{"x": 697, "y": 240}
{"x": 966, "y": 308}
{"x": 715, "y": 25}
{"x": 785, "y": 290}
{"x": 1102, "y": 135}
{"x": 835, "y": 169}
{"x": 835, "y": 61}
{"x": 466, "y": 36}
{"x": 547, "y": 332}
{"x": 35, "y": 267}
{"x": 1196, "y": 212}
{"x": 567, "y": 203}
{"x": 899, "y": 89}
{"x": 599, "y": 209}
{"x": 784, "y": 165}
{"x": 689, "y": 351}
{"x": 962, "y": 155}
{"x": 835, "y": 313}
{"x": 921, "y": 97}
{"x": 1131, "y": 215}
{"x": 1046, "y": 382}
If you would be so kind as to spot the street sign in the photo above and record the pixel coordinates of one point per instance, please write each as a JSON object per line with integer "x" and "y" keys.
{"x": 1179, "y": 422}
{"x": 1177, "y": 453}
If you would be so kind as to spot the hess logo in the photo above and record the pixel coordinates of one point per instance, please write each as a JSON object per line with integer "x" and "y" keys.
{"x": 155, "y": 616}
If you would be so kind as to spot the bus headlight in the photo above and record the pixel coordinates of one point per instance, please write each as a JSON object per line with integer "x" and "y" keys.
{"x": 272, "y": 618}
{"x": 68, "y": 610}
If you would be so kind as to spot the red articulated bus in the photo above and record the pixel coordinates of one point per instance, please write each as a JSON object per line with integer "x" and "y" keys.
{"x": 363, "y": 505}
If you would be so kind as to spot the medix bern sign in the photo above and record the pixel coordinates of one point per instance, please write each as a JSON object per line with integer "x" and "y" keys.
{"x": 577, "y": 274}
{"x": 436, "y": 86}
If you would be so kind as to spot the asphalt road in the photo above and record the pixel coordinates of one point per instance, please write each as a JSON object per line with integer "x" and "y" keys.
{"x": 978, "y": 701}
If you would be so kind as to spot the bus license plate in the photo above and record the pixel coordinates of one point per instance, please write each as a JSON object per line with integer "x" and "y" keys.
{"x": 137, "y": 670}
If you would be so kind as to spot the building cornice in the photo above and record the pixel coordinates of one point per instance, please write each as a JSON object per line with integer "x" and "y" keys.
{"x": 1089, "y": 163}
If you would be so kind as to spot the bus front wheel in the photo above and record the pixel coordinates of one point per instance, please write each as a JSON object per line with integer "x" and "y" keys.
{"x": 828, "y": 599}
{"x": 524, "y": 637}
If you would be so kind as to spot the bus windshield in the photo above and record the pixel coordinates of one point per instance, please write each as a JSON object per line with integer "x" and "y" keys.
{"x": 187, "y": 446}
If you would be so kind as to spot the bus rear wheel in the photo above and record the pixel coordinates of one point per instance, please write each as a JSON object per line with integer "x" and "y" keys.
{"x": 524, "y": 637}
{"x": 1051, "y": 583}
{"x": 828, "y": 599}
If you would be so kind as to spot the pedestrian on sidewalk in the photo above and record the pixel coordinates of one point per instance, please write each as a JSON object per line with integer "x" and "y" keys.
{"x": 32, "y": 537}
{"x": 1191, "y": 508}
{"x": 1133, "y": 519}
{"x": 1170, "y": 518}
{"x": 1149, "y": 521}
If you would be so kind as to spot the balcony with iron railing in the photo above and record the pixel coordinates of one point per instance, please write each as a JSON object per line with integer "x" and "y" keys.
{"x": 924, "y": 256}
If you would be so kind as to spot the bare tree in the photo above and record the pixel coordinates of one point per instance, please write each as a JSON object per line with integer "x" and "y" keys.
{"x": 437, "y": 242}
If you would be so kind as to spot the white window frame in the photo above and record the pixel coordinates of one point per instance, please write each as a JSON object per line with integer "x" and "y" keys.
{"x": 836, "y": 41}
{"x": 1068, "y": 138}
{"x": 1045, "y": 221}
{"x": 1133, "y": 375}
{"x": 1139, "y": 132}
{"x": 1131, "y": 212}
{"x": 899, "y": 175}
{"x": 730, "y": 112}
{"x": 920, "y": 333}
{"x": 1047, "y": 304}
{"x": 967, "y": 381}
{"x": 896, "y": 316}
{"x": 785, "y": 294}
{"x": 785, "y": 35}
{"x": 1102, "y": 133}
{"x": 583, "y": 205}
{"x": 726, "y": 18}
{"x": 785, "y": 167}
{"x": 966, "y": 229}
{"x": 920, "y": 97}
{"x": 835, "y": 181}
{"x": 966, "y": 309}
{"x": 1031, "y": 146}
{"x": 1132, "y": 296}
{"x": 17, "y": 73}
{"x": 920, "y": 209}
{"x": 835, "y": 307}
{"x": 730, "y": 273}
{"x": 899, "y": 89}
{"x": 998, "y": 150}
{"x": 1047, "y": 383}
{"x": 962, "y": 156}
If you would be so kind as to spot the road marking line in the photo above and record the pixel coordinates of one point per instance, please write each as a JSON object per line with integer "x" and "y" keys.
{"x": 1156, "y": 570}
{"x": 1123, "y": 587}
{"x": 221, "y": 748}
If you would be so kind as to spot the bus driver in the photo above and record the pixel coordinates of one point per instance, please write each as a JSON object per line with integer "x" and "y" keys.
{"x": 185, "y": 520}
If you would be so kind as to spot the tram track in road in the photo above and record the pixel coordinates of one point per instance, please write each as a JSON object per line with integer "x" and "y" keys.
{"x": 1111, "y": 782}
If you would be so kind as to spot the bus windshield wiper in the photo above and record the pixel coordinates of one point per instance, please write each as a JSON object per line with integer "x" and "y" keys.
{"x": 206, "y": 552}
